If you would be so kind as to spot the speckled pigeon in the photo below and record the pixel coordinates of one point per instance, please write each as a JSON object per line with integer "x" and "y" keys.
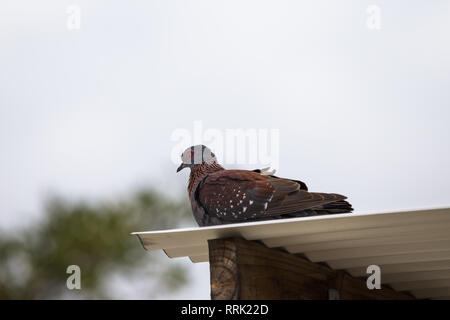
{"x": 221, "y": 196}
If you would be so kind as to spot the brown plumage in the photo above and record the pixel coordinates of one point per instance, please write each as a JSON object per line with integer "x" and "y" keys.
{"x": 220, "y": 196}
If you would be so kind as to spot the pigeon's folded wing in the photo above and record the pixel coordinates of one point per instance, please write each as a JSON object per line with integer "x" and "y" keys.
{"x": 238, "y": 195}
{"x": 265, "y": 171}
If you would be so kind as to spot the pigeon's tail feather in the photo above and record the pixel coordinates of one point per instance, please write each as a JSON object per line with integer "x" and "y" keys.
{"x": 340, "y": 206}
{"x": 336, "y": 207}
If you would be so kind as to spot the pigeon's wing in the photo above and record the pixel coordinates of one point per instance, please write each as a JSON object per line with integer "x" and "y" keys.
{"x": 265, "y": 171}
{"x": 294, "y": 202}
{"x": 238, "y": 195}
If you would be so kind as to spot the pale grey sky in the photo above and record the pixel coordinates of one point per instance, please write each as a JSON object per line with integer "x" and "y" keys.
{"x": 90, "y": 113}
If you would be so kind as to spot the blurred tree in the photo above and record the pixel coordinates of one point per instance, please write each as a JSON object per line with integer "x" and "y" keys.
{"x": 96, "y": 237}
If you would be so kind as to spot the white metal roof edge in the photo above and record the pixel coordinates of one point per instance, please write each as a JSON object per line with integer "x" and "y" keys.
{"x": 415, "y": 246}
{"x": 288, "y": 220}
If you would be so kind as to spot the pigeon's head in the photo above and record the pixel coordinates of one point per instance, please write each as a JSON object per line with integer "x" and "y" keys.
{"x": 195, "y": 156}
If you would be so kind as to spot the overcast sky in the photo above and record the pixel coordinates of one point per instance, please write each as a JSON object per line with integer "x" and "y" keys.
{"x": 90, "y": 112}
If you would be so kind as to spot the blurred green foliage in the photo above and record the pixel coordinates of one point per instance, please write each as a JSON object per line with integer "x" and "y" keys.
{"x": 96, "y": 237}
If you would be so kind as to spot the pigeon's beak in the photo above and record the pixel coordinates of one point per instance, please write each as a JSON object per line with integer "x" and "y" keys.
{"x": 182, "y": 166}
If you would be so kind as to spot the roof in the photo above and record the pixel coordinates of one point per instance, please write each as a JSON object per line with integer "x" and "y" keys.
{"x": 411, "y": 247}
